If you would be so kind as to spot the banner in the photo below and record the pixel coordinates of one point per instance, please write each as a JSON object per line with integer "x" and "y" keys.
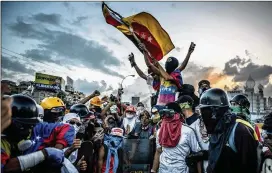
{"x": 45, "y": 81}
{"x": 141, "y": 28}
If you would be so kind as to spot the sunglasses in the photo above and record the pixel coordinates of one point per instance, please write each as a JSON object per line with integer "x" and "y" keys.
{"x": 73, "y": 122}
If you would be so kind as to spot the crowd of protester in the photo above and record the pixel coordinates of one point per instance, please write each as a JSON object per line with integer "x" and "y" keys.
{"x": 185, "y": 133}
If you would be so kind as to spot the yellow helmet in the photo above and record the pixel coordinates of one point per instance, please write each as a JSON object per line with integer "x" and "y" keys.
{"x": 95, "y": 101}
{"x": 51, "y": 102}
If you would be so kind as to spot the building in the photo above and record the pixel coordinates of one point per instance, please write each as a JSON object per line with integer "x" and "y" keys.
{"x": 12, "y": 86}
{"x": 24, "y": 85}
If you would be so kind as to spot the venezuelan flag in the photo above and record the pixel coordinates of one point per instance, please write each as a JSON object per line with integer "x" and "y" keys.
{"x": 146, "y": 29}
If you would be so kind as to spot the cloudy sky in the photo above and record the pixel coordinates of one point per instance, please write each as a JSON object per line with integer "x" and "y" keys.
{"x": 233, "y": 40}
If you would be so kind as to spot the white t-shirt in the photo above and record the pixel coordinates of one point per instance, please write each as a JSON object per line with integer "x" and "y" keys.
{"x": 204, "y": 145}
{"x": 172, "y": 160}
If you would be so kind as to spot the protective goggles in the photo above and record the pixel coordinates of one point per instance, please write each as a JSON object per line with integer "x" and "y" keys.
{"x": 58, "y": 109}
{"x": 72, "y": 122}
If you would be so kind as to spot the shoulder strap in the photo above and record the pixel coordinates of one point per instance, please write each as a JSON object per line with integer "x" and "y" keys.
{"x": 195, "y": 135}
{"x": 231, "y": 142}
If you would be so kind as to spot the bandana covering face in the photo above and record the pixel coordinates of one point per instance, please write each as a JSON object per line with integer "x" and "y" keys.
{"x": 170, "y": 132}
{"x": 184, "y": 105}
{"x": 68, "y": 117}
{"x": 243, "y": 112}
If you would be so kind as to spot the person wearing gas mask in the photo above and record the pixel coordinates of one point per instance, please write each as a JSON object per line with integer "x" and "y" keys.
{"x": 170, "y": 78}
{"x": 233, "y": 141}
{"x": 203, "y": 85}
{"x": 194, "y": 121}
{"x": 152, "y": 80}
{"x": 129, "y": 120}
{"x": 240, "y": 106}
{"x": 54, "y": 109}
{"x": 266, "y": 155}
{"x": 40, "y": 143}
{"x": 174, "y": 142}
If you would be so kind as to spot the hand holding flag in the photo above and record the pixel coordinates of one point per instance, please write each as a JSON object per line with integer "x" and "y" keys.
{"x": 141, "y": 28}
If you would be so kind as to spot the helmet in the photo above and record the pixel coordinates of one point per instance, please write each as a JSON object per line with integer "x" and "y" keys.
{"x": 79, "y": 109}
{"x": 185, "y": 102}
{"x": 130, "y": 109}
{"x": 241, "y": 100}
{"x": 214, "y": 97}
{"x": 51, "y": 102}
{"x": 24, "y": 109}
{"x": 95, "y": 101}
{"x": 40, "y": 110}
{"x": 54, "y": 109}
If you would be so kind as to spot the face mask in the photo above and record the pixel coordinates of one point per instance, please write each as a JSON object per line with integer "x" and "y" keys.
{"x": 98, "y": 110}
{"x": 171, "y": 65}
{"x": 209, "y": 120}
{"x": 140, "y": 108}
{"x": 129, "y": 116}
{"x": 243, "y": 112}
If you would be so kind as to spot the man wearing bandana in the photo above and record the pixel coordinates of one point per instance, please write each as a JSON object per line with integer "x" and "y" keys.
{"x": 233, "y": 142}
{"x": 240, "y": 107}
{"x": 170, "y": 78}
{"x": 203, "y": 85}
{"x": 195, "y": 122}
{"x": 174, "y": 142}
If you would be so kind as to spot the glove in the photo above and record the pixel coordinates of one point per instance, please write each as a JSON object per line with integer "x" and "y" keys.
{"x": 196, "y": 157}
{"x": 55, "y": 155}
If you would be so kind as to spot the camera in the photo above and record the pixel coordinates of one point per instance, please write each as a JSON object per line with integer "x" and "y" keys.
{"x": 167, "y": 113}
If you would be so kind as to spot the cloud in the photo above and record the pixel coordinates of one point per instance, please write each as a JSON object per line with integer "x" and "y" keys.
{"x": 39, "y": 54}
{"x": 16, "y": 66}
{"x": 68, "y": 6}
{"x": 109, "y": 38}
{"x": 79, "y": 20}
{"x": 73, "y": 48}
{"x": 53, "y": 19}
{"x": 240, "y": 69}
{"x": 88, "y": 87}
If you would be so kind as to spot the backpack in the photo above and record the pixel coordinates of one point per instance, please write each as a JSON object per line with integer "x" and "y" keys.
{"x": 231, "y": 142}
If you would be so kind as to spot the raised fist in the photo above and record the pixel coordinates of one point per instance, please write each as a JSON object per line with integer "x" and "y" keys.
{"x": 192, "y": 47}
{"x": 131, "y": 59}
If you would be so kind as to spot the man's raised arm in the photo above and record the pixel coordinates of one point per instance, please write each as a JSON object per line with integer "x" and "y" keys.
{"x": 185, "y": 62}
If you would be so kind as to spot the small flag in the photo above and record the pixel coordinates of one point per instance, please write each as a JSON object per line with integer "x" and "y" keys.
{"x": 146, "y": 29}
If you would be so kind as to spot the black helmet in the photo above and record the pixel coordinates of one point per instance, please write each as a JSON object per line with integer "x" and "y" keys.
{"x": 80, "y": 109}
{"x": 24, "y": 109}
{"x": 241, "y": 100}
{"x": 214, "y": 97}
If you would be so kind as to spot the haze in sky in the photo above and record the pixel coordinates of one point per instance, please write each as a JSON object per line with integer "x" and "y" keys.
{"x": 233, "y": 40}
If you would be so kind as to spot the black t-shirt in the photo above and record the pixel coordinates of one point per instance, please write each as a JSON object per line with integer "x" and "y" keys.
{"x": 245, "y": 160}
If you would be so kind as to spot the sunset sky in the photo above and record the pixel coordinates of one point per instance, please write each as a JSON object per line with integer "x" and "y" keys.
{"x": 233, "y": 40}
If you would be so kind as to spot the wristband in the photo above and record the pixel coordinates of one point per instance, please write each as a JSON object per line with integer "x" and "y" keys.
{"x": 31, "y": 160}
